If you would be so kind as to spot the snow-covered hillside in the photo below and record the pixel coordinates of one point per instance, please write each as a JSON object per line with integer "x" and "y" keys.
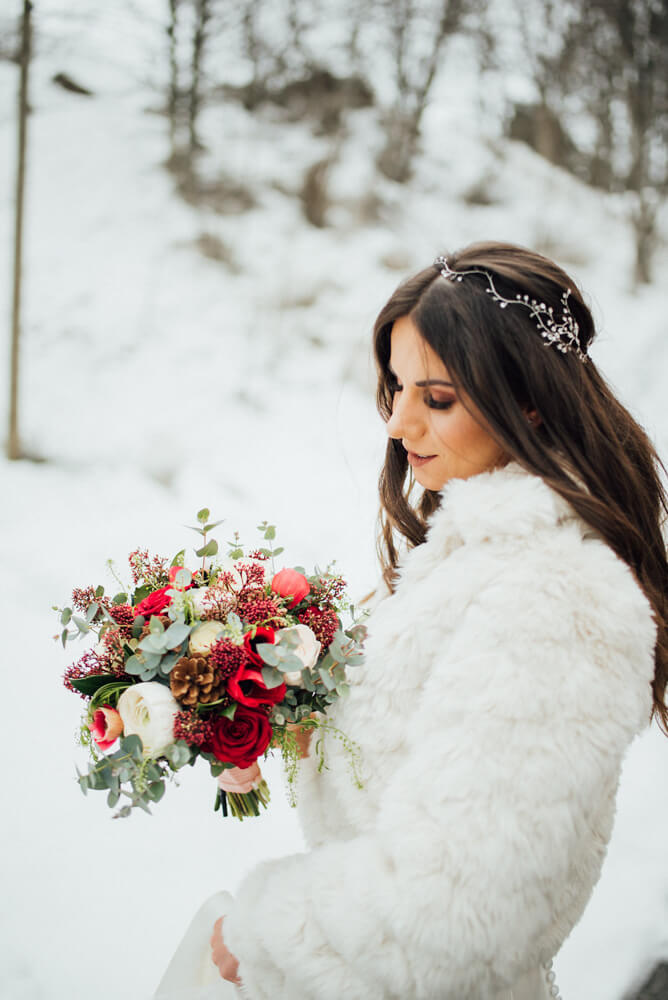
{"x": 156, "y": 381}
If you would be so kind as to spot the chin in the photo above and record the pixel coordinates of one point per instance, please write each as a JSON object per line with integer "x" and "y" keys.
{"x": 429, "y": 482}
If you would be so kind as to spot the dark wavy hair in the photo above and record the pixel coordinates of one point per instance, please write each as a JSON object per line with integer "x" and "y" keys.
{"x": 586, "y": 446}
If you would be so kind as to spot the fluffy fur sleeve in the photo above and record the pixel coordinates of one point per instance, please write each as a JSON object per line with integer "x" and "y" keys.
{"x": 523, "y": 722}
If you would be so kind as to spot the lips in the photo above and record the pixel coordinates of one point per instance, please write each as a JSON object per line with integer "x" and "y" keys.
{"x": 416, "y": 460}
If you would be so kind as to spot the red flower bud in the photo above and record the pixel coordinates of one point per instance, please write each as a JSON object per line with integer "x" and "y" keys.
{"x": 290, "y": 583}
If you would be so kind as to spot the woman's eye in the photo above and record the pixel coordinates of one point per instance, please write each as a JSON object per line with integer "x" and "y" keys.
{"x": 439, "y": 404}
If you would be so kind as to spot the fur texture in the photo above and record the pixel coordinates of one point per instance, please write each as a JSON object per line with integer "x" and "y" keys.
{"x": 504, "y": 681}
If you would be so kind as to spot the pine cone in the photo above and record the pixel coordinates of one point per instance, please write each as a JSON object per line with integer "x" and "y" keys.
{"x": 193, "y": 679}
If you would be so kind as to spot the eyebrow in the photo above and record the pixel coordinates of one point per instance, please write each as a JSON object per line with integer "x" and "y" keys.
{"x": 423, "y": 382}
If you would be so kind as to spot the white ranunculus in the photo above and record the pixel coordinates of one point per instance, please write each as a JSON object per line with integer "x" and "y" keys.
{"x": 307, "y": 650}
{"x": 147, "y": 710}
{"x": 204, "y": 636}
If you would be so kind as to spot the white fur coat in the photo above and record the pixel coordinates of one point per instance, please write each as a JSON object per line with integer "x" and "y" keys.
{"x": 504, "y": 681}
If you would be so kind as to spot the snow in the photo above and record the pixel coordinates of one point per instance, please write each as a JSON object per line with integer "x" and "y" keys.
{"x": 155, "y": 381}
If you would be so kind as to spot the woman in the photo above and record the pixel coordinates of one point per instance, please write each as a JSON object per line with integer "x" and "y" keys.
{"x": 519, "y": 647}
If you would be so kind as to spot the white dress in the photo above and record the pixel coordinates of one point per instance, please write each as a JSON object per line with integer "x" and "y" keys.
{"x": 191, "y": 974}
{"x": 504, "y": 681}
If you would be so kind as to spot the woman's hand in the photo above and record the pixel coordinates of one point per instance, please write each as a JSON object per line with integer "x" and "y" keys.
{"x": 222, "y": 956}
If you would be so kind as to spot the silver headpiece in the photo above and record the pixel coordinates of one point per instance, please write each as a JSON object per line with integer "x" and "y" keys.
{"x": 564, "y": 335}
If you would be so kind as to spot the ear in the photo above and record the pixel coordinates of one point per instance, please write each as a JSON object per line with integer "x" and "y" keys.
{"x": 532, "y": 416}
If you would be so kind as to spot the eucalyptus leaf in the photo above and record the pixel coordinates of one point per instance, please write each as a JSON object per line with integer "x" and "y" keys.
{"x": 270, "y": 532}
{"x": 66, "y": 616}
{"x": 156, "y": 790}
{"x": 153, "y": 772}
{"x": 121, "y": 598}
{"x": 133, "y": 665}
{"x": 327, "y": 680}
{"x": 81, "y": 624}
{"x": 290, "y": 662}
{"x": 269, "y": 653}
{"x": 203, "y": 515}
{"x": 152, "y": 644}
{"x": 168, "y": 661}
{"x": 210, "y": 549}
{"x": 155, "y": 625}
{"x": 178, "y": 558}
{"x": 230, "y": 711}
{"x": 113, "y": 797}
{"x": 133, "y": 746}
{"x": 308, "y": 680}
{"x": 212, "y": 525}
{"x": 272, "y": 678}
{"x": 175, "y": 634}
{"x": 178, "y": 754}
{"x": 183, "y": 578}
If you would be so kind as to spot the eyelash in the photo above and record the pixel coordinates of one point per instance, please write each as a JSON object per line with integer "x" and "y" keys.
{"x": 433, "y": 404}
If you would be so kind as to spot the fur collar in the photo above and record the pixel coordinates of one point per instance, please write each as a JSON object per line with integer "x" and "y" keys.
{"x": 507, "y": 502}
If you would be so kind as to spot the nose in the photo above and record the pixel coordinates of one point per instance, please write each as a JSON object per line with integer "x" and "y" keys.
{"x": 405, "y": 419}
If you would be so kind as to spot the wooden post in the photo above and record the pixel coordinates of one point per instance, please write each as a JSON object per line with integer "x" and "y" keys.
{"x": 13, "y": 442}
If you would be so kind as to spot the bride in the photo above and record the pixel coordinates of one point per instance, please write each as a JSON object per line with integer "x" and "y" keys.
{"x": 516, "y": 647}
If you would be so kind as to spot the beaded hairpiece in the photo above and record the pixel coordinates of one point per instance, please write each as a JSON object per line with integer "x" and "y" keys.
{"x": 564, "y": 335}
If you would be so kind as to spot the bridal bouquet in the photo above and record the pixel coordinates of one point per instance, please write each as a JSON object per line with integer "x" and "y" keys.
{"x": 223, "y": 661}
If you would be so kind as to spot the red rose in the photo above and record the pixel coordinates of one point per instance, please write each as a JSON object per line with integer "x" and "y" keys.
{"x": 262, "y": 634}
{"x": 154, "y": 603}
{"x": 247, "y": 685}
{"x": 290, "y": 583}
{"x": 240, "y": 740}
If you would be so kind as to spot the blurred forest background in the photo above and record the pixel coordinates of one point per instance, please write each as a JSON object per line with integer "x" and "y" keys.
{"x": 204, "y": 205}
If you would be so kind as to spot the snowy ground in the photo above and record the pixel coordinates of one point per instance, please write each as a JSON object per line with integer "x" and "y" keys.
{"x": 155, "y": 382}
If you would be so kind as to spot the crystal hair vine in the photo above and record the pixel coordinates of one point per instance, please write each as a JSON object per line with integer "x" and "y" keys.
{"x": 564, "y": 335}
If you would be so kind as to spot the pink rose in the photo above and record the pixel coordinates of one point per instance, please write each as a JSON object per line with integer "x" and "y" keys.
{"x": 106, "y": 726}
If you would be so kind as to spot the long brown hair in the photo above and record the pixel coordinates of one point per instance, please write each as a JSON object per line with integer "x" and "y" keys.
{"x": 586, "y": 445}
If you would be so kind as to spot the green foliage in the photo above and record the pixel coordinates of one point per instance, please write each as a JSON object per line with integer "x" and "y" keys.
{"x": 128, "y": 773}
{"x": 210, "y": 549}
{"x": 91, "y": 684}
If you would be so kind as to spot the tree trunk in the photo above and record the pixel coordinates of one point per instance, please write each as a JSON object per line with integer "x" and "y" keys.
{"x": 203, "y": 14}
{"x": 644, "y": 227}
{"x": 173, "y": 86}
{"x": 14, "y": 450}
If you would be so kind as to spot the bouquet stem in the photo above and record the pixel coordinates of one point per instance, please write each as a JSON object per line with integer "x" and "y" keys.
{"x": 242, "y": 804}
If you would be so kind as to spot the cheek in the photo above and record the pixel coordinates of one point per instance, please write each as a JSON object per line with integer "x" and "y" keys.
{"x": 458, "y": 433}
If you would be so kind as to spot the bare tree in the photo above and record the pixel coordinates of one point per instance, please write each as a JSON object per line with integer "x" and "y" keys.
{"x": 199, "y": 39}
{"x": 14, "y": 450}
{"x": 173, "y": 84}
{"x": 414, "y": 77}
{"x": 605, "y": 62}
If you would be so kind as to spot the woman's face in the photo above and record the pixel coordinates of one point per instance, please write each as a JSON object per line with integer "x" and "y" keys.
{"x": 444, "y": 440}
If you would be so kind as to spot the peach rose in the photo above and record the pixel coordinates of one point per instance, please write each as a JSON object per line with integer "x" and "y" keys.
{"x": 106, "y": 726}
